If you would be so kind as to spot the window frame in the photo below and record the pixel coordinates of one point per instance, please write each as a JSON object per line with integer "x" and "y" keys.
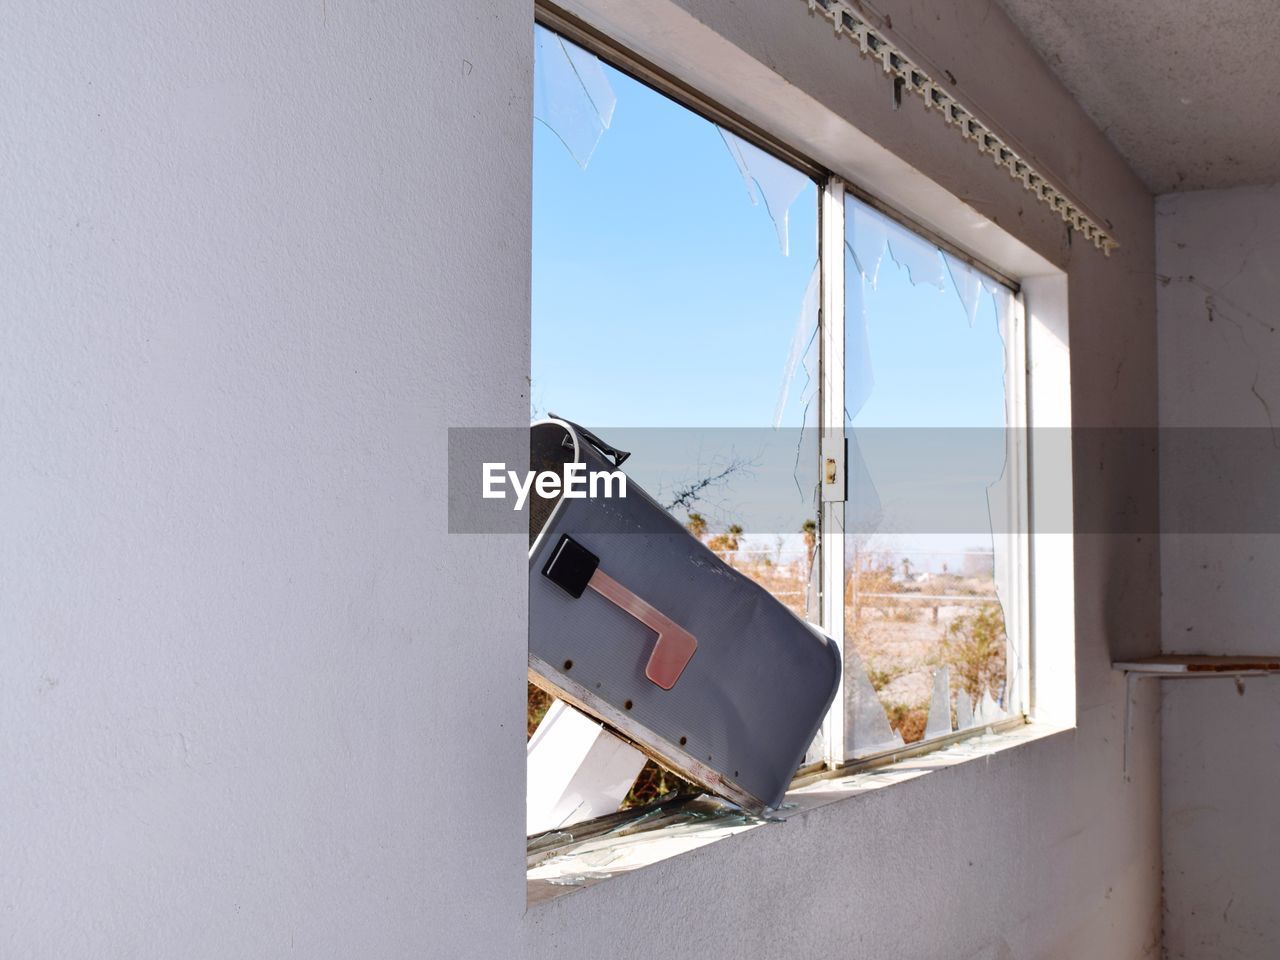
{"x": 621, "y": 58}
{"x": 831, "y": 548}
{"x": 831, "y": 225}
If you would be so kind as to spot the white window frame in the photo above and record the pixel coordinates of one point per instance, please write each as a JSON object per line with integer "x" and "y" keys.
{"x": 831, "y": 194}
{"x": 831, "y": 257}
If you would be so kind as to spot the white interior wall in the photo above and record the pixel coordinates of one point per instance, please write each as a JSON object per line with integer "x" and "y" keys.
{"x": 254, "y": 701}
{"x": 1218, "y": 256}
{"x": 254, "y": 698}
{"x": 1049, "y": 853}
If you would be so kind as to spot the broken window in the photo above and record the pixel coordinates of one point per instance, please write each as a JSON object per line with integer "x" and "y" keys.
{"x": 675, "y": 285}
{"x": 667, "y": 303}
{"x": 679, "y": 284}
{"x": 931, "y": 413}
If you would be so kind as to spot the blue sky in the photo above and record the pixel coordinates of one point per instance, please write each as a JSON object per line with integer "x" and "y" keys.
{"x": 661, "y": 297}
{"x": 660, "y": 294}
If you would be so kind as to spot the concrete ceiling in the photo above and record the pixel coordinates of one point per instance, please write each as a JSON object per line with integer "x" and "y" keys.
{"x": 1188, "y": 92}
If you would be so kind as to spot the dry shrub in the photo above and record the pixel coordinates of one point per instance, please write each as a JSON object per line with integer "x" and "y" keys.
{"x": 903, "y": 613}
{"x": 539, "y": 702}
{"x": 654, "y": 782}
{"x": 882, "y": 677}
{"x": 974, "y": 649}
{"x": 909, "y": 721}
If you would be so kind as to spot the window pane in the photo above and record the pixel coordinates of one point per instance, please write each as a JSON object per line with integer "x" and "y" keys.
{"x": 674, "y": 295}
{"x": 927, "y": 526}
{"x": 675, "y": 312}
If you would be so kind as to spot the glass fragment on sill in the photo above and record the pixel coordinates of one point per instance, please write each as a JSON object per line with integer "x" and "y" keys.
{"x": 964, "y": 710}
{"x": 576, "y": 879}
{"x": 634, "y": 845}
{"x": 867, "y": 728}
{"x": 548, "y": 840}
{"x": 939, "y": 722}
{"x": 677, "y": 810}
{"x": 599, "y": 859}
{"x": 571, "y": 94}
{"x": 638, "y": 821}
{"x": 767, "y": 178}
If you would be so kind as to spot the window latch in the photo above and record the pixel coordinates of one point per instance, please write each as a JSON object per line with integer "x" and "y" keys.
{"x": 835, "y": 482}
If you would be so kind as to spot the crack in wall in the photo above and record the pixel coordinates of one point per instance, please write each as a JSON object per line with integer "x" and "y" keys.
{"x": 1213, "y": 311}
{"x": 1253, "y": 388}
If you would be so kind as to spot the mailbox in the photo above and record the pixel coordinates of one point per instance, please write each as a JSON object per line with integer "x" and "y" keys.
{"x": 635, "y": 622}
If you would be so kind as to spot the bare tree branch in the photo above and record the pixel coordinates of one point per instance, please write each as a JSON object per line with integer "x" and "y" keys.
{"x": 686, "y": 495}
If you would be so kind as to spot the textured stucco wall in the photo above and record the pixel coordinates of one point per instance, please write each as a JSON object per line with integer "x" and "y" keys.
{"x": 1180, "y": 96}
{"x": 253, "y": 699}
{"x": 1218, "y": 254}
{"x": 257, "y": 257}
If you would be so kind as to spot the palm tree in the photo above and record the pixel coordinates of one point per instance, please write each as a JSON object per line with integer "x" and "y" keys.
{"x": 697, "y": 525}
{"x": 726, "y": 543}
{"x": 810, "y": 531}
{"x": 733, "y": 536}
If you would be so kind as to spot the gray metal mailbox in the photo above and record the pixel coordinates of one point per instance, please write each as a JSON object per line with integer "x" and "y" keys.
{"x": 637, "y": 623}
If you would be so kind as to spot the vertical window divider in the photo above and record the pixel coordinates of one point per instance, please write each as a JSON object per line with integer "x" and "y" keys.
{"x": 1018, "y": 418}
{"x": 832, "y": 431}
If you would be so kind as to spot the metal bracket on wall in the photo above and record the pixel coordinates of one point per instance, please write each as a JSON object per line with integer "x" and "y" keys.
{"x": 1177, "y": 666}
{"x": 873, "y": 42}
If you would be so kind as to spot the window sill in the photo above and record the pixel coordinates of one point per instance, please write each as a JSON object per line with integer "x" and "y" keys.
{"x": 663, "y": 833}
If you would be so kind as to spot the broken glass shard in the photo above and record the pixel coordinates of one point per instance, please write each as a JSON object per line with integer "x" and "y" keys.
{"x": 988, "y": 711}
{"x": 939, "y": 722}
{"x": 863, "y": 512}
{"x": 866, "y": 234}
{"x": 803, "y": 344}
{"x": 867, "y": 728}
{"x": 571, "y": 94}
{"x": 891, "y": 308}
{"x": 918, "y": 255}
{"x": 767, "y": 178}
{"x": 859, "y": 377}
{"x": 812, "y": 596}
{"x": 817, "y": 750}
{"x": 1009, "y": 702}
{"x": 968, "y": 284}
